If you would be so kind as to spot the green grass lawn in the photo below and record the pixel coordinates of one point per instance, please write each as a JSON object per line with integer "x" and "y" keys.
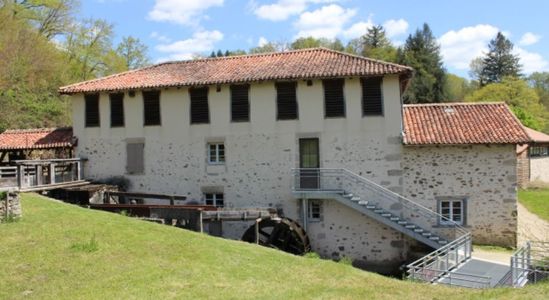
{"x": 536, "y": 200}
{"x": 60, "y": 251}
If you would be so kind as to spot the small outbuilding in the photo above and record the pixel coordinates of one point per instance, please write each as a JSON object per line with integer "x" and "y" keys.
{"x": 533, "y": 158}
{"x": 40, "y": 143}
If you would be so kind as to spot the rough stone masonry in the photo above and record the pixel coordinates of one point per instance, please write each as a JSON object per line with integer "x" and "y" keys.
{"x": 10, "y": 205}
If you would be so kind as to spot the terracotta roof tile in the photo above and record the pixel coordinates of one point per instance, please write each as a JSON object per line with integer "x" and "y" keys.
{"x": 41, "y": 138}
{"x": 298, "y": 64}
{"x": 536, "y": 136}
{"x": 462, "y": 123}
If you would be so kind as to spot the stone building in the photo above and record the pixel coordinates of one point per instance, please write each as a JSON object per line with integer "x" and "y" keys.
{"x": 533, "y": 159}
{"x": 315, "y": 133}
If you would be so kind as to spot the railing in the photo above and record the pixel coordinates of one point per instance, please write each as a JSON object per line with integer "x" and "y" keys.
{"x": 345, "y": 181}
{"x": 40, "y": 173}
{"x": 438, "y": 264}
{"x": 530, "y": 264}
{"x": 431, "y": 267}
{"x": 458, "y": 279}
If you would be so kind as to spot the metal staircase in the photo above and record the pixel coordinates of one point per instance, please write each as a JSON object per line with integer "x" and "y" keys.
{"x": 452, "y": 243}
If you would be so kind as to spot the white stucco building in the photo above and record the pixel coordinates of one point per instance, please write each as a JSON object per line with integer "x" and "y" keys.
{"x": 232, "y": 132}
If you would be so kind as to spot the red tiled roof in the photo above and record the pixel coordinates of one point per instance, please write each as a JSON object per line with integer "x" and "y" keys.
{"x": 536, "y": 136}
{"x": 462, "y": 123}
{"x": 298, "y": 64}
{"x": 41, "y": 138}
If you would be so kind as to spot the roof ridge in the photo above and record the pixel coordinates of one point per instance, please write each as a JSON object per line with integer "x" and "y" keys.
{"x": 453, "y": 104}
{"x": 35, "y": 130}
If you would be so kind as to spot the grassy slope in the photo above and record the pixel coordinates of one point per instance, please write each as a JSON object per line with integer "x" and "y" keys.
{"x": 137, "y": 259}
{"x": 536, "y": 201}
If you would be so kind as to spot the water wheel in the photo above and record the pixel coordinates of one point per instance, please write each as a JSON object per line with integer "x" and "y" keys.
{"x": 282, "y": 234}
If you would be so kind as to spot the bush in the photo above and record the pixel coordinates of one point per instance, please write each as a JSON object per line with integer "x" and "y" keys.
{"x": 3, "y": 196}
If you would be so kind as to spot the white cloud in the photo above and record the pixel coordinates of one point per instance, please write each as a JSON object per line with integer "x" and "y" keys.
{"x": 262, "y": 42}
{"x": 327, "y": 21}
{"x": 283, "y": 9}
{"x": 531, "y": 62}
{"x": 358, "y": 29}
{"x": 159, "y": 37}
{"x": 186, "y": 12}
{"x": 529, "y": 38}
{"x": 458, "y": 48}
{"x": 395, "y": 27}
{"x": 200, "y": 42}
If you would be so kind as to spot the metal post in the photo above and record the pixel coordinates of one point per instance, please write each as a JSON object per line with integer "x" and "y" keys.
{"x": 79, "y": 170}
{"x": 20, "y": 176}
{"x": 201, "y": 222}
{"x": 257, "y": 230}
{"x": 305, "y": 208}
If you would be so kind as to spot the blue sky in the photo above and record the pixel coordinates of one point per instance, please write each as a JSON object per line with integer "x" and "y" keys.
{"x": 179, "y": 29}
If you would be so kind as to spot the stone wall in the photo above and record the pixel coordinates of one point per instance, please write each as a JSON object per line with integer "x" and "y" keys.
{"x": 485, "y": 176}
{"x": 10, "y": 203}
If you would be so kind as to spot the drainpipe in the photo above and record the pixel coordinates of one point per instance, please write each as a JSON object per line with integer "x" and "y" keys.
{"x": 304, "y": 209}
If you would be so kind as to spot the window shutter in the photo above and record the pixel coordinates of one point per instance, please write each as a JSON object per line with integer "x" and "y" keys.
{"x": 135, "y": 158}
{"x": 240, "y": 105}
{"x": 372, "y": 97}
{"x": 92, "y": 110}
{"x": 117, "y": 109}
{"x": 200, "y": 113}
{"x": 334, "y": 101}
{"x": 151, "y": 106}
{"x": 286, "y": 100}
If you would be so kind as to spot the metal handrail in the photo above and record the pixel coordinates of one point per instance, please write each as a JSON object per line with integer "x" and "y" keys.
{"x": 383, "y": 192}
{"x": 527, "y": 260}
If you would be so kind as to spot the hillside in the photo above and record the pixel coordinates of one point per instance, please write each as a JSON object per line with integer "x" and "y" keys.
{"x": 50, "y": 253}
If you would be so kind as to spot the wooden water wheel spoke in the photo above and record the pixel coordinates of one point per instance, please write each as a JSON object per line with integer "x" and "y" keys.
{"x": 283, "y": 234}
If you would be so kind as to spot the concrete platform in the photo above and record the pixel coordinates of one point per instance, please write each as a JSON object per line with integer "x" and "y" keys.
{"x": 483, "y": 273}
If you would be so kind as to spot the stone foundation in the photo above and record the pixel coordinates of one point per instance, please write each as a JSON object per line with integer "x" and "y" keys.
{"x": 9, "y": 205}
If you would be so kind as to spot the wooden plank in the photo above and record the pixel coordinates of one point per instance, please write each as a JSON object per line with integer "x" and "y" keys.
{"x": 150, "y": 196}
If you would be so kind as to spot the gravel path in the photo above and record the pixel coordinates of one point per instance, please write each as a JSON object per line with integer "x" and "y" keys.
{"x": 531, "y": 227}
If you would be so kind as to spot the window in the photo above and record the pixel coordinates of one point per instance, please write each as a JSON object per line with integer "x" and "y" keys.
{"x": 200, "y": 113}
{"x": 240, "y": 105}
{"x": 452, "y": 210}
{"x": 216, "y": 153}
{"x": 117, "y": 109}
{"x": 538, "y": 151}
{"x": 372, "y": 97}
{"x": 315, "y": 210}
{"x": 92, "y": 110}
{"x": 334, "y": 101}
{"x": 215, "y": 199}
{"x": 135, "y": 157}
{"x": 286, "y": 100}
{"x": 151, "y": 107}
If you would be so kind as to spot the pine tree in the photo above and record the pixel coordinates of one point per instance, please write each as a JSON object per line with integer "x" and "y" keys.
{"x": 499, "y": 62}
{"x": 219, "y": 53}
{"x": 422, "y": 52}
{"x": 212, "y": 54}
{"x": 375, "y": 44}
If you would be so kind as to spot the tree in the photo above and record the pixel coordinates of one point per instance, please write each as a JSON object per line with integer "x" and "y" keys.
{"x": 270, "y": 47}
{"x": 133, "y": 52}
{"x": 87, "y": 46}
{"x": 311, "y": 42}
{"x": 422, "y": 52}
{"x": 522, "y": 99}
{"x": 499, "y": 62}
{"x": 457, "y": 88}
{"x": 540, "y": 82}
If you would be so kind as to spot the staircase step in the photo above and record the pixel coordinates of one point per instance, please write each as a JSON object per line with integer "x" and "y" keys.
{"x": 386, "y": 215}
{"x": 434, "y": 238}
{"x": 426, "y": 234}
{"x": 402, "y": 223}
{"x": 410, "y": 226}
{"x": 355, "y": 199}
{"x": 363, "y": 202}
{"x": 395, "y": 218}
{"x": 443, "y": 242}
{"x": 371, "y": 206}
{"x": 379, "y": 211}
{"x": 418, "y": 230}
{"x": 348, "y": 195}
